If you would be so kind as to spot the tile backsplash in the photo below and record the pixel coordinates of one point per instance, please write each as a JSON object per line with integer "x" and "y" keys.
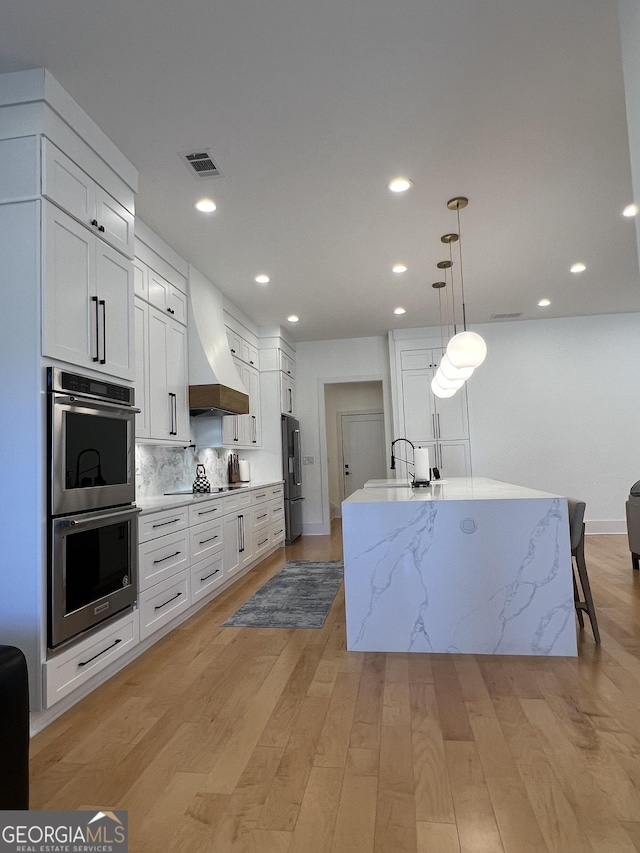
{"x": 164, "y": 469}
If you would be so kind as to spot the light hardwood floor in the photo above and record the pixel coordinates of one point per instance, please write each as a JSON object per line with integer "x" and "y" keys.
{"x": 281, "y": 741}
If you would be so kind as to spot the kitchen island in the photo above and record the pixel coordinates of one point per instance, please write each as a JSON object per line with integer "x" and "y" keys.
{"x": 469, "y": 565}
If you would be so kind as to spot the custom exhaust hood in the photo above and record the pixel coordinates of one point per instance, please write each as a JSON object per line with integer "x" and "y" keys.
{"x": 215, "y": 387}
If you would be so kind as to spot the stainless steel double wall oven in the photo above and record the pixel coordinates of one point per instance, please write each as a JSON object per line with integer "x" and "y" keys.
{"x": 93, "y": 537}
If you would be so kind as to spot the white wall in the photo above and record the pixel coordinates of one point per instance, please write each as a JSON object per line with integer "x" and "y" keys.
{"x": 326, "y": 362}
{"x": 556, "y": 406}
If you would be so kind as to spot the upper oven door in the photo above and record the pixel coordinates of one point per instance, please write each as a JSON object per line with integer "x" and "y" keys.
{"x": 92, "y": 451}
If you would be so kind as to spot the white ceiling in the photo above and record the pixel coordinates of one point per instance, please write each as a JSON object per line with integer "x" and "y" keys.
{"x": 311, "y": 106}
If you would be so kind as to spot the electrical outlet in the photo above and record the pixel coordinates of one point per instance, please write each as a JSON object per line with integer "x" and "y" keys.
{"x": 308, "y": 460}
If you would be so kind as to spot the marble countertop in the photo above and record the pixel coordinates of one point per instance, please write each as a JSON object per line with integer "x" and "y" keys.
{"x": 451, "y": 489}
{"x": 152, "y": 503}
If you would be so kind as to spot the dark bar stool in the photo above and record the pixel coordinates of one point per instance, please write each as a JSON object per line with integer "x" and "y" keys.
{"x": 576, "y": 532}
{"x": 14, "y": 729}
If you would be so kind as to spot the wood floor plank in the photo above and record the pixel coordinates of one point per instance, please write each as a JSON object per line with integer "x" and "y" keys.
{"x": 437, "y": 838}
{"x": 313, "y": 831}
{"x": 395, "y": 808}
{"x": 432, "y": 791}
{"x": 356, "y": 817}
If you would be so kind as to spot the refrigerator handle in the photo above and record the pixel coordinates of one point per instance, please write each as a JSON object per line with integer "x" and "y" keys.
{"x": 296, "y": 457}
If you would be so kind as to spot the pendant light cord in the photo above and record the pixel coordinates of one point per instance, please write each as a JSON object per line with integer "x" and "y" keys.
{"x": 464, "y": 308}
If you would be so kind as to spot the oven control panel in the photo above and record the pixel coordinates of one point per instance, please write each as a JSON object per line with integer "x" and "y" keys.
{"x": 72, "y": 383}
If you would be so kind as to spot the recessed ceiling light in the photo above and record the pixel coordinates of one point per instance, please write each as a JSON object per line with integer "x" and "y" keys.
{"x": 398, "y": 268}
{"x": 205, "y": 205}
{"x": 399, "y": 310}
{"x": 262, "y": 279}
{"x": 544, "y": 303}
{"x": 630, "y": 210}
{"x": 293, "y": 318}
{"x": 579, "y": 267}
{"x": 400, "y": 185}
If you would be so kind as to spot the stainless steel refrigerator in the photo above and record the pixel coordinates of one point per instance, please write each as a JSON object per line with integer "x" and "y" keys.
{"x": 292, "y": 475}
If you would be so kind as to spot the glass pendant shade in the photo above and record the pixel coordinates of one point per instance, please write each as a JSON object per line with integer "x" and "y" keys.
{"x": 441, "y": 392}
{"x": 451, "y": 372}
{"x": 466, "y": 349}
{"x": 445, "y": 383}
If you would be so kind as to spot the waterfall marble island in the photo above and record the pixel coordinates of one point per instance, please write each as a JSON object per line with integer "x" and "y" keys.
{"x": 468, "y": 565}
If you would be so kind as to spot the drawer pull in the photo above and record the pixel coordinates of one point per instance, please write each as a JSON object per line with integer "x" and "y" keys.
{"x": 260, "y": 517}
{"x": 85, "y": 662}
{"x": 162, "y": 559}
{"x": 207, "y": 511}
{"x": 164, "y": 523}
{"x": 206, "y": 577}
{"x": 173, "y": 598}
{"x": 210, "y": 539}
{"x": 264, "y": 541}
{"x": 261, "y": 496}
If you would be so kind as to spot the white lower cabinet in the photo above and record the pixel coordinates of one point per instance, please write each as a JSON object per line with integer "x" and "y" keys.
{"x": 163, "y": 602}
{"x": 74, "y": 667}
{"x": 206, "y": 575}
{"x": 162, "y": 558}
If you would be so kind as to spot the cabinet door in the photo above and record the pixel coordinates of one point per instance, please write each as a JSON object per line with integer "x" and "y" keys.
{"x": 115, "y": 222}
{"x": 160, "y": 403}
{"x": 255, "y": 423}
{"x": 287, "y": 391}
{"x": 246, "y": 537}
{"x": 231, "y": 544}
{"x": 70, "y": 307}
{"x": 451, "y": 416}
{"x": 418, "y": 405}
{"x": 66, "y": 184}
{"x": 141, "y": 326}
{"x": 178, "y": 378}
{"x": 454, "y": 459}
{"x": 141, "y": 279}
{"x": 115, "y": 289}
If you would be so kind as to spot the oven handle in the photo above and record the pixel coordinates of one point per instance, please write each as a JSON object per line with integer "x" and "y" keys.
{"x": 91, "y": 518}
{"x": 67, "y": 400}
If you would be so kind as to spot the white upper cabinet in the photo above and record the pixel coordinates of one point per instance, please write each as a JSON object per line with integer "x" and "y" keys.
{"x": 87, "y": 298}
{"x": 72, "y": 189}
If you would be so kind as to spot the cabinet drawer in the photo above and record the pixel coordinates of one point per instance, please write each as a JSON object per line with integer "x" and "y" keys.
{"x": 276, "y": 510}
{"x": 236, "y": 501}
{"x": 206, "y": 575}
{"x": 261, "y": 541}
{"x": 276, "y": 532}
{"x": 276, "y": 491}
{"x": 205, "y": 511}
{"x": 260, "y": 516}
{"x": 260, "y": 496}
{"x": 162, "y": 558}
{"x": 160, "y": 523}
{"x": 72, "y": 668}
{"x": 205, "y": 539}
{"x": 163, "y": 602}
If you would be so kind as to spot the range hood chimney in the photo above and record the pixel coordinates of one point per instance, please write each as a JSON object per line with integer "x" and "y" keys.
{"x": 215, "y": 387}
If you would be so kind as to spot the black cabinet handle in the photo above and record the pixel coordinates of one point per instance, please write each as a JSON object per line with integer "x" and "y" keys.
{"x": 96, "y": 357}
{"x": 103, "y": 360}
{"x": 171, "y": 311}
{"x": 206, "y": 577}
{"x": 164, "y": 523}
{"x": 85, "y": 662}
{"x": 173, "y": 598}
{"x": 162, "y": 559}
{"x": 94, "y": 222}
{"x": 210, "y": 539}
{"x": 101, "y": 228}
{"x": 233, "y": 351}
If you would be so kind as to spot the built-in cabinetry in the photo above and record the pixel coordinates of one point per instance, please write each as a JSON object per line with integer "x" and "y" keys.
{"x": 279, "y": 356}
{"x": 244, "y": 430}
{"x": 187, "y": 554}
{"x": 87, "y": 272}
{"x": 441, "y": 424}
{"x": 161, "y": 343}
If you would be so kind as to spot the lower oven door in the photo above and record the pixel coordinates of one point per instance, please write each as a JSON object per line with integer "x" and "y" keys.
{"x": 93, "y": 570}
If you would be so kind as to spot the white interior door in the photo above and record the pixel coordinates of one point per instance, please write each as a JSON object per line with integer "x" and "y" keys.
{"x": 363, "y": 451}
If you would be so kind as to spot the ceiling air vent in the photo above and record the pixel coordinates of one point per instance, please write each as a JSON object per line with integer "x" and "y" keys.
{"x": 200, "y": 164}
{"x": 511, "y": 316}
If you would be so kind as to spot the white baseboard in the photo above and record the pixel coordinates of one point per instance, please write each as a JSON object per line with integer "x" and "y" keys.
{"x": 316, "y": 529}
{"x": 606, "y": 526}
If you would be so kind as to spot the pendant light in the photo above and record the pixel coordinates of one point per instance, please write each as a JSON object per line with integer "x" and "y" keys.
{"x": 465, "y": 349}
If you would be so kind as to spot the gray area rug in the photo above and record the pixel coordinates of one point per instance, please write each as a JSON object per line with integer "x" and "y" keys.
{"x": 298, "y": 596}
